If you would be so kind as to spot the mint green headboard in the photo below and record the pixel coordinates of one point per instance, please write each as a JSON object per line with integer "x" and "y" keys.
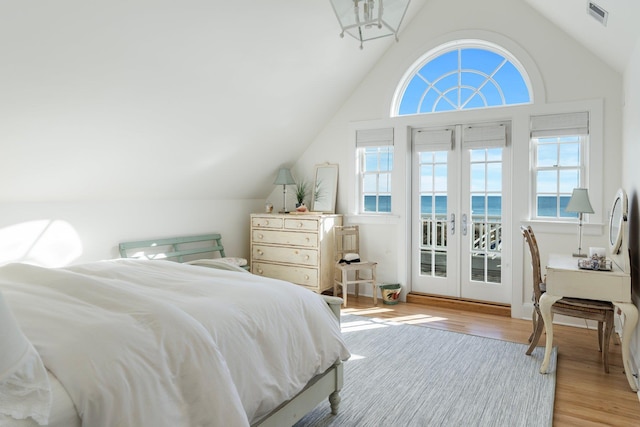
{"x": 179, "y": 249}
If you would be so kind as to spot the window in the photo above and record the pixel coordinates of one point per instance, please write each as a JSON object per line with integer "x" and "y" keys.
{"x": 559, "y": 143}
{"x": 375, "y": 166}
{"x": 463, "y": 75}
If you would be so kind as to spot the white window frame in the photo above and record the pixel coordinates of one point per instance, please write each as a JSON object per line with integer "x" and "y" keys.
{"x": 570, "y": 124}
{"x": 379, "y": 139}
{"x": 582, "y": 168}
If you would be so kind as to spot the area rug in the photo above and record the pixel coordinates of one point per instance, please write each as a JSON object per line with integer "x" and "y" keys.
{"x": 403, "y": 375}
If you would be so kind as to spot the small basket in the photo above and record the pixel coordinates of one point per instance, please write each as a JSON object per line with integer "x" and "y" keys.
{"x": 390, "y": 293}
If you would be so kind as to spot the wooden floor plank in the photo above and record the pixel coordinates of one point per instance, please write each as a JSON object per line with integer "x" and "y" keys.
{"x": 585, "y": 394}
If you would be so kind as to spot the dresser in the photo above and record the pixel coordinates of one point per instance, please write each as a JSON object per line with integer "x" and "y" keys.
{"x": 295, "y": 248}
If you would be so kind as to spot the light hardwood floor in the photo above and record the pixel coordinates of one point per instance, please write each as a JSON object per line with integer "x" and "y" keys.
{"x": 585, "y": 394}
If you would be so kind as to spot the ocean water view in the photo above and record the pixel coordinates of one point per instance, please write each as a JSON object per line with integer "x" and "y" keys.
{"x": 547, "y": 205}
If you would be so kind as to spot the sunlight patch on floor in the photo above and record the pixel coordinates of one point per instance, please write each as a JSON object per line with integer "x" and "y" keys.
{"x": 365, "y": 311}
{"x": 361, "y": 325}
{"x": 416, "y": 319}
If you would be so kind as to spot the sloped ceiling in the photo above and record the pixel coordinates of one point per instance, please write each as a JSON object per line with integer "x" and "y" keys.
{"x": 189, "y": 99}
{"x": 613, "y": 42}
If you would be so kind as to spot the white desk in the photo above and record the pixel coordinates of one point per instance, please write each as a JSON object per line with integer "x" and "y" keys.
{"x": 565, "y": 279}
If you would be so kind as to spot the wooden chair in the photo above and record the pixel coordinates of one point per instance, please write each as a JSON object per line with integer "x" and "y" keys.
{"x": 347, "y": 241}
{"x": 600, "y": 311}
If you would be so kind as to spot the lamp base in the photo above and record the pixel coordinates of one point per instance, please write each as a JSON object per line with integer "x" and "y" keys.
{"x": 580, "y": 255}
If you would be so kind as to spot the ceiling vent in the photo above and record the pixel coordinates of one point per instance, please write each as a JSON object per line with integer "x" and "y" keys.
{"x": 598, "y": 13}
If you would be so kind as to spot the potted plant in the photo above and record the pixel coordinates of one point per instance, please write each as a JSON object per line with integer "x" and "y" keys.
{"x": 301, "y": 192}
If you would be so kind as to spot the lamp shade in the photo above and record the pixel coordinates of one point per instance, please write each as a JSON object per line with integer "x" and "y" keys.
{"x": 370, "y": 19}
{"x": 579, "y": 201}
{"x": 284, "y": 177}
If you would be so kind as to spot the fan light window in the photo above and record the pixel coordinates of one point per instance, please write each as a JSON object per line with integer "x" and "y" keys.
{"x": 463, "y": 76}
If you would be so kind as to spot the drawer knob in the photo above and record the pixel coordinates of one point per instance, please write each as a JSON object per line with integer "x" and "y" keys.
{"x": 260, "y": 236}
{"x": 260, "y": 252}
{"x": 306, "y": 257}
{"x": 306, "y": 277}
{"x": 260, "y": 271}
{"x": 300, "y": 225}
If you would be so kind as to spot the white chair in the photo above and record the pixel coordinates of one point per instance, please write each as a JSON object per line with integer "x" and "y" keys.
{"x": 349, "y": 265}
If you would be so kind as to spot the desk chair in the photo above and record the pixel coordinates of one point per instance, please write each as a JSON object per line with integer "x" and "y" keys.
{"x": 347, "y": 250}
{"x": 600, "y": 311}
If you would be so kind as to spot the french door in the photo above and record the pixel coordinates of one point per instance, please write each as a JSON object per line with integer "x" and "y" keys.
{"x": 458, "y": 194}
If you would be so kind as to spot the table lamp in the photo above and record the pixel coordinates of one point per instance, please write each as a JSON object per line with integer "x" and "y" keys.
{"x": 284, "y": 178}
{"x": 580, "y": 204}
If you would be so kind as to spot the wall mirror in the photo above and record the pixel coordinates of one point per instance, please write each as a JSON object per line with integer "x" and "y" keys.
{"x": 325, "y": 188}
{"x": 616, "y": 221}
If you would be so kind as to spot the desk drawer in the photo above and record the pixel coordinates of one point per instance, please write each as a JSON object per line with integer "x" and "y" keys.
{"x": 598, "y": 285}
{"x": 285, "y": 255}
{"x": 309, "y": 240}
{"x": 300, "y": 275}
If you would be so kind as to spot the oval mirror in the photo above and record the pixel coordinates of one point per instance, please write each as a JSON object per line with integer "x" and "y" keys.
{"x": 616, "y": 221}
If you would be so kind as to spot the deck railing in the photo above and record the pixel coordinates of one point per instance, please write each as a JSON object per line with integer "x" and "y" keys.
{"x": 487, "y": 236}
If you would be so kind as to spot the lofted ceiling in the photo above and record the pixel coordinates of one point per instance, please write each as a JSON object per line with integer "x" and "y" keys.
{"x": 614, "y": 42}
{"x": 193, "y": 99}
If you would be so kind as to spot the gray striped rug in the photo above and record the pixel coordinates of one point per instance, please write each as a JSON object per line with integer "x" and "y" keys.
{"x": 404, "y": 375}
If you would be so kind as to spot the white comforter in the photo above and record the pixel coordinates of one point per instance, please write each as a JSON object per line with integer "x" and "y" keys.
{"x": 154, "y": 343}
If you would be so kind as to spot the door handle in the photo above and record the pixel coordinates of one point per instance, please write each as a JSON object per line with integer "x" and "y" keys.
{"x": 453, "y": 224}
{"x": 464, "y": 224}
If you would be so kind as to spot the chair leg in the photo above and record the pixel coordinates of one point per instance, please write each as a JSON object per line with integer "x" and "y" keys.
{"x": 608, "y": 329}
{"x": 357, "y": 286}
{"x": 344, "y": 287}
{"x": 533, "y": 323}
{"x": 375, "y": 285}
{"x": 600, "y": 335}
{"x": 536, "y": 334}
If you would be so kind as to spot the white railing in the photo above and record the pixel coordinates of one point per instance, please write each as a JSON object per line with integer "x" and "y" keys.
{"x": 487, "y": 236}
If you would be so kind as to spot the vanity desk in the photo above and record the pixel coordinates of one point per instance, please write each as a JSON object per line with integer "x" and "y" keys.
{"x": 566, "y": 279}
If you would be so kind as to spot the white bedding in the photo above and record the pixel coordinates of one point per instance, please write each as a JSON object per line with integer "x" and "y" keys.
{"x": 155, "y": 343}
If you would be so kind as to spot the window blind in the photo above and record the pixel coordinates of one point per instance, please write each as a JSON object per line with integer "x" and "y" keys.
{"x": 433, "y": 140}
{"x": 560, "y": 125}
{"x": 484, "y": 136}
{"x": 374, "y": 137}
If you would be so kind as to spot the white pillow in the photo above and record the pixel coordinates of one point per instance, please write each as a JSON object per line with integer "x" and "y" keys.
{"x": 25, "y": 391}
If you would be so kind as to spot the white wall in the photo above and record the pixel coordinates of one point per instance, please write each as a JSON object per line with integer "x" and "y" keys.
{"x": 569, "y": 73}
{"x": 631, "y": 176}
{"x": 62, "y": 233}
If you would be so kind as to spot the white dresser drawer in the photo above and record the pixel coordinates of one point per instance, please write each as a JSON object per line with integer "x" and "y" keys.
{"x": 309, "y": 240}
{"x": 301, "y": 224}
{"x": 287, "y": 255}
{"x": 300, "y": 275}
{"x": 266, "y": 222}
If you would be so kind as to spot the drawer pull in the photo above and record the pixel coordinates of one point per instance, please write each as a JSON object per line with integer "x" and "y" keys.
{"x": 260, "y": 252}
{"x": 300, "y": 225}
{"x": 260, "y": 271}
{"x": 306, "y": 258}
{"x": 306, "y": 277}
{"x": 260, "y": 236}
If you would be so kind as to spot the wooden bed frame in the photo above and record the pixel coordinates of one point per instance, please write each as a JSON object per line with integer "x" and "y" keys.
{"x": 325, "y": 385}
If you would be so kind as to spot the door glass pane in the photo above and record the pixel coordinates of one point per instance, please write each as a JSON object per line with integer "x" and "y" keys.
{"x": 486, "y": 215}
{"x": 433, "y": 213}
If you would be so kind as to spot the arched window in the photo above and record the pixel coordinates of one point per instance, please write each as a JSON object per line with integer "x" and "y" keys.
{"x": 460, "y": 76}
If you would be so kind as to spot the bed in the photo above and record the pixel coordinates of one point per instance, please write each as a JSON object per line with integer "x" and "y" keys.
{"x": 137, "y": 342}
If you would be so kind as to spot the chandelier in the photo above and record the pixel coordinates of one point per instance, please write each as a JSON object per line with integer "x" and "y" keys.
{"x": 370, "y": 19}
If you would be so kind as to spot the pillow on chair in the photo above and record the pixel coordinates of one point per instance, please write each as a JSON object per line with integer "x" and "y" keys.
{"x": 25, "y": 391}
